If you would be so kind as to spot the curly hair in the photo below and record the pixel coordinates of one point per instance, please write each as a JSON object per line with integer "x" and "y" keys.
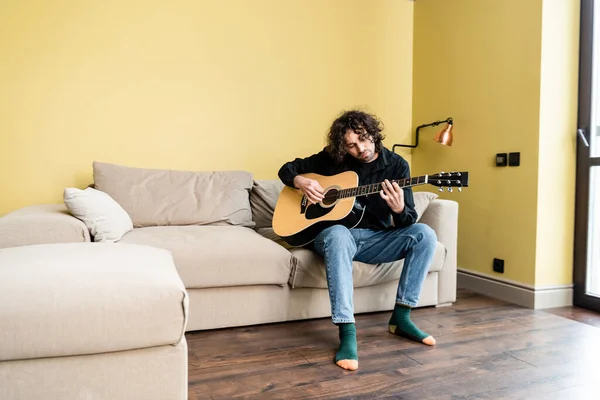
{"x": 362, "y": 123}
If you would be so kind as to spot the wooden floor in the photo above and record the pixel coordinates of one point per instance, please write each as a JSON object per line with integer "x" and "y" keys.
{"x": 487, "y": 349}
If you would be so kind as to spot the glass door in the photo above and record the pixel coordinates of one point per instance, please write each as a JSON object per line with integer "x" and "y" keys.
{"x": 587, "y": 218}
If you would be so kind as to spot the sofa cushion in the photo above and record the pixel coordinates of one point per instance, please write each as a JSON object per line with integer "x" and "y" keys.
{"x": 219, "y": 256}
{"x": 88, "y": 298}
{"x": 263, "y": 199}
{"x": 154, "y": 197}
{"x": 106, "y": 220}
{"x": 270, "y": 234}
{"x": 39, "y": 224}
{"x": 422, "y": 200}
{"x": 309, "y": 270}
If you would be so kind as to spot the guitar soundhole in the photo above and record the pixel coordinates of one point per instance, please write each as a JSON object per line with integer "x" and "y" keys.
{"x": 330, "y": 197}
{"x": 316, "y": 210}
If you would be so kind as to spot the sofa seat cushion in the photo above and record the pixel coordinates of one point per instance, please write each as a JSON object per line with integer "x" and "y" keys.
{"x": 88, "y": 298}
{"x": 309, "y": 270}
{"x": 219, "y": 256}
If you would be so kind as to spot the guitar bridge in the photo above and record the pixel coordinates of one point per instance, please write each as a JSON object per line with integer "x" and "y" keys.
{"x": 303, "y": 205}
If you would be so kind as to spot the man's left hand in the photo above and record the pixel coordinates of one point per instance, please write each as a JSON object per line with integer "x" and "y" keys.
{"x": 393, "y": 196}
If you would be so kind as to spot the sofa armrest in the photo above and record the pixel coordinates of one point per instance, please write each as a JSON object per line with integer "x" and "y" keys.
{"x": 40, "y": 224}
{"x": 442, "y": 216}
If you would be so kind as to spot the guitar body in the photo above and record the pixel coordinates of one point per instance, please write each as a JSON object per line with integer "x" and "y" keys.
{"x": 298, "y": 222}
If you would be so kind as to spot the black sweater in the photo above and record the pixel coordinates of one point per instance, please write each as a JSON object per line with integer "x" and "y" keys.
{"x": 388, "y": 165}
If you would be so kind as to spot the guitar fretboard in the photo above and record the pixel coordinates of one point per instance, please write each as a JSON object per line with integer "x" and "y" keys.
{"x": 376, "y": 187}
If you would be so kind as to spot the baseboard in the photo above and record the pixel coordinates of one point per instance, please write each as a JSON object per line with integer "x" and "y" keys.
{"x": 514, "y": 292}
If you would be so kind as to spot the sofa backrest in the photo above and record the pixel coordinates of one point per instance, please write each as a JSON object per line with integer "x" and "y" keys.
{"x": 155, "y": 197}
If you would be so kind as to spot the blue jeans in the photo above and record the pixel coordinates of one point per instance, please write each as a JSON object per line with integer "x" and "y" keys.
{"x": 339, "y": 246}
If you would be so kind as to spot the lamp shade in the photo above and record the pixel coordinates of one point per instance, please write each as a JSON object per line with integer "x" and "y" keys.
{"x": 445, "y": 136}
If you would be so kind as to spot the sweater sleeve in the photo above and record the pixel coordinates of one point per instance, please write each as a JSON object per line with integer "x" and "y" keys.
{"x": 291, "y": 169}
{"x": 409, "y": 215}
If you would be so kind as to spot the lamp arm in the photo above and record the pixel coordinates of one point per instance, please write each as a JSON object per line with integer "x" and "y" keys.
{"x": 448, "y": 120}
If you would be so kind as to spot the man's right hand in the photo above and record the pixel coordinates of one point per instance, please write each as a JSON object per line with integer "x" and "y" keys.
{"x": 311, "y": 188}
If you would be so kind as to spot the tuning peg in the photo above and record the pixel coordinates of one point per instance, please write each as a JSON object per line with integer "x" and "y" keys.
{"x": 441, "y": 189}
{"x": 449, "y": 188}
{"x": 460, "y": 188}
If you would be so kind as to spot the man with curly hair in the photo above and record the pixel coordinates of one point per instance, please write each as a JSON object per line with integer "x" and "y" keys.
{"x": 355, "y": 143}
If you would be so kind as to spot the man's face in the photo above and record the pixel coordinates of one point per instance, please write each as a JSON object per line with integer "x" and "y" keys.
{"x": 360, "y": 147}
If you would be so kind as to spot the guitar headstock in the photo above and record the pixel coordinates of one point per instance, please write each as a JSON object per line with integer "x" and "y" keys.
{"x": 449, "y": 180}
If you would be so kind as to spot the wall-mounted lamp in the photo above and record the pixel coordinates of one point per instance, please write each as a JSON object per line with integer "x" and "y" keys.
{"x": 444, "y": 136}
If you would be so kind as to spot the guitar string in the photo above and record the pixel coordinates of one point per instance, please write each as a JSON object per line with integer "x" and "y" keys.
{"x": 373, "y": 188}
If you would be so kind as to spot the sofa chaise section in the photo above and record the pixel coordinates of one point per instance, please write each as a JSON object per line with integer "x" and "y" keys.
{"x": 91, "y": 320}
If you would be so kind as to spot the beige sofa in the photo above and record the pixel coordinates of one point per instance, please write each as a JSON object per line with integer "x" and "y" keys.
{"x": 235, "y": 270}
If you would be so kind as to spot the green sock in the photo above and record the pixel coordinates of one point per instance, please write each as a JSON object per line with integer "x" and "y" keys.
{"x": 401, "y": 325}
{"x": 348, "y": 348}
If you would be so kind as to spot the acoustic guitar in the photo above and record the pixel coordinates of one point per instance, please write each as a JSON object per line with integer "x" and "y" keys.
{"x": 298, "y": 222}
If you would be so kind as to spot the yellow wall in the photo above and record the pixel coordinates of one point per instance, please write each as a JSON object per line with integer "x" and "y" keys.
{"x": 557, "y": 144}
{"x": 390, "y": 78}
{"x": 478, "y": 61}
{"x": 503, "y": 71}
{"x": 189, "y": 84}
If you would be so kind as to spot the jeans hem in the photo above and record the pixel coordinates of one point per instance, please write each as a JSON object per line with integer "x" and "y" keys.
{"x": 406, "y": 304}
{"x": 342, "y": 321}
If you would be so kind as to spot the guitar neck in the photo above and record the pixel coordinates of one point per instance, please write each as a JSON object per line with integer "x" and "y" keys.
{"x": 373, "y": 188}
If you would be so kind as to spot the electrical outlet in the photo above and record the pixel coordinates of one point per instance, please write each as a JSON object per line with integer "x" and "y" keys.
{"x": 514, "y": 159}
{"x": 498, "y": 265}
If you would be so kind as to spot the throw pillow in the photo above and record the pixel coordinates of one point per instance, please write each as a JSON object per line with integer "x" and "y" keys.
{"x": 106, "y": 220}
{"x": 263, "y": 199}
{"x": 422, "y": 200}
